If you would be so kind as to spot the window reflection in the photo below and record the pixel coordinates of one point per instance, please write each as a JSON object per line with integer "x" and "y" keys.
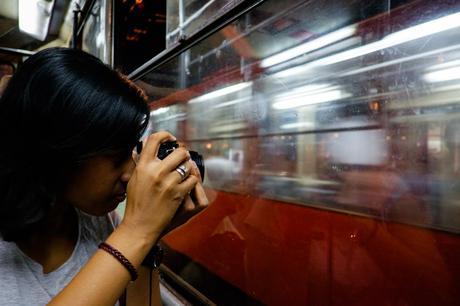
{"x": 343, "y": 106}
{"x": 355, "y": 110}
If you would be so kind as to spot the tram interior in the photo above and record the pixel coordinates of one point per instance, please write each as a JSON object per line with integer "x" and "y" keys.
{"x": 331, "y": 137}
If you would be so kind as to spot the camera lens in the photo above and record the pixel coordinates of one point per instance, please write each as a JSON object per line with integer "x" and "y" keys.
{"x": 168, "y": 147}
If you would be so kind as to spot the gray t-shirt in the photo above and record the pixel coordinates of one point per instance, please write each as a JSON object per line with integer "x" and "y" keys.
{"x": 22, "y": 281}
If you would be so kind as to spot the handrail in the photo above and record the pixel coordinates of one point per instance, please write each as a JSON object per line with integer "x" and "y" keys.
{"x": 14, "y": 51}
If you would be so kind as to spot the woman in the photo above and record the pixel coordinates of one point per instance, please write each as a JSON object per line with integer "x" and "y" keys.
{"x": 68, "y": 126}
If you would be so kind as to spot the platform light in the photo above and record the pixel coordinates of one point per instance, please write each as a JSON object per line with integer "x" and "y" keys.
{"x": 443, "y": 75}
{"x": 309, "y": 46}
{"x": 419, "y": 31}
{"x": 159, "y": 111}
{"x": 221, "y": 92}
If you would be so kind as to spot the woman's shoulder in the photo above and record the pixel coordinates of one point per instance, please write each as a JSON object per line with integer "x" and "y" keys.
{"x": 7, "y": 250}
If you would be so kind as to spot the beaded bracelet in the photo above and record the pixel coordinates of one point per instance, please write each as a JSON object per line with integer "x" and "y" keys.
{"x": 121, "y": 258}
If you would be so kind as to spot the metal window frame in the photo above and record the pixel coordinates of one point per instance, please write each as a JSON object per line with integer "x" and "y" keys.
{"x": 13, "y": 51}
{"x": 186, "y": 43}
{"x": 80, "y": 18}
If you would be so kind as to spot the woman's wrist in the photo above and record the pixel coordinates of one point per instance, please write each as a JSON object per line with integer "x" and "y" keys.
{"x": 133, "y": 244}
{"x": 92, "y": 278}
{"x": 134, "y": 230}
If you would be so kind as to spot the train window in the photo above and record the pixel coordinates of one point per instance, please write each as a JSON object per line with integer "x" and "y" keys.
{"x": 139, "y": 31}
{"x": 331, "y": 136}
{"x": 96, "y": 28}
{"x": 185, "y": 18}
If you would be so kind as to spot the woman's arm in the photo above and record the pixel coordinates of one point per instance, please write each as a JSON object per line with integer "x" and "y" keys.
{"x": 137, "y": 293}
{"x": 103, "y": 279}
{"x": 155, "y": 192}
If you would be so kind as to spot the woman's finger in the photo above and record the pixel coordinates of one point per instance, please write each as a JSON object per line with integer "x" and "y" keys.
{"x": 188, "y": 204}
{"x": 187, "y": 185}
{"x": 177, "y": 175}
{"x": 199, "y": 194}
{"x": 175, "y": 159}
{"x": 152, "y": 144}
{"x": 195, "y": 171}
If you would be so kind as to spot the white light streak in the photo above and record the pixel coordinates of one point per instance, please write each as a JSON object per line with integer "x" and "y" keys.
{"x": 443, "y": 75}
{"x": 306, "y": 90}
{"x": 159, "y": 111}
{"x": 309, "y": 46}
{"x": 176, "y": 117}
{"x": 309, "y": 99}
{"x": 419, "y": 31}
{"x": 228, "y": 127}
{"x": 233, "y": 102}
{"x": 448, "y": 64}
{"x": 221, "y": 92}
{"x": 297, "y": 125}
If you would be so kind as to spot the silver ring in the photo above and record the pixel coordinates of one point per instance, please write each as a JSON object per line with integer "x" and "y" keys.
{"x": 182, "y": 170}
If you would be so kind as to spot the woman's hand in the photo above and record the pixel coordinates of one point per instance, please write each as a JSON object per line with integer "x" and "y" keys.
{"x": 156, "y": 190}
{"x": 193, "y": 203}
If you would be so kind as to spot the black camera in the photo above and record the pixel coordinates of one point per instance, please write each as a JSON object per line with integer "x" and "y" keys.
{"x": 167, "y": 147}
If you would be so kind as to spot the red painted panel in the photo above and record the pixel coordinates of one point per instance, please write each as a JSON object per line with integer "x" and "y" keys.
{"x": 284, "y": 254}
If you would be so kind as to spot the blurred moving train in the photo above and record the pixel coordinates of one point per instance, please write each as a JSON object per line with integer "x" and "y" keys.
{"x": 331, "y": 136}
{"x": 331, "y": 131}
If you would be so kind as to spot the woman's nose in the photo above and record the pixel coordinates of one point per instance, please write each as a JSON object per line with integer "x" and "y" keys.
{"x": 128, "y": 170}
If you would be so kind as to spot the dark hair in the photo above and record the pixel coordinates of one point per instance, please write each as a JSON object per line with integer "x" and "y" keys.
{"x": 61, "y": 107}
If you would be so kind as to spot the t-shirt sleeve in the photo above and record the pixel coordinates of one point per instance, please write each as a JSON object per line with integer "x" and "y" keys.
{"x": 114, "y": 218}
{"x": 98, "y": 228}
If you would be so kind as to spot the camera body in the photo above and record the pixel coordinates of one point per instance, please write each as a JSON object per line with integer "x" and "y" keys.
{"x": 168, "y": 147}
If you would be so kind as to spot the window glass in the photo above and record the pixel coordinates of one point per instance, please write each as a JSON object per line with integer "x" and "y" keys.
{"x": 331, "y": 137}
{"x": 94, "y": 37}
{"x": 186, "y": 17}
